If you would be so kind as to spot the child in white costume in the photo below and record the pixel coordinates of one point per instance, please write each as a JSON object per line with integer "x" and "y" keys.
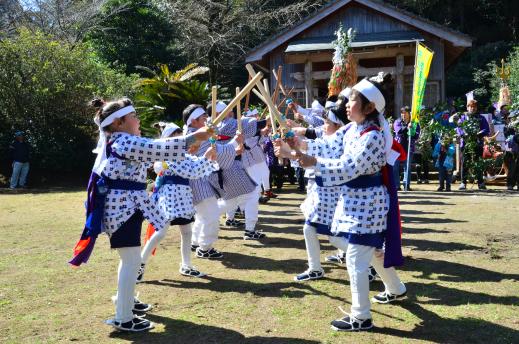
{"x": 364, "y": 209}
{"x": 118, "y": 200}
{"x": 175, "y": 198}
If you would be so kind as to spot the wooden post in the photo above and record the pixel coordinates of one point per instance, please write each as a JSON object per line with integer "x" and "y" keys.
{"x": 238, "y": 111}
{"x": 309, "y": 83}
{"x": 247, "y": 99}
{"x": 399, "y": 84}
{"x": 271, "y": 110}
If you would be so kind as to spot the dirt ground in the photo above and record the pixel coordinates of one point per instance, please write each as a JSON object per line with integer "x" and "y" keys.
{"x": 461, "y": 271}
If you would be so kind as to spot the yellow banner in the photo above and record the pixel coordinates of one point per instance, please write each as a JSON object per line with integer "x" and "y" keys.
{"x": 421, "y": 71}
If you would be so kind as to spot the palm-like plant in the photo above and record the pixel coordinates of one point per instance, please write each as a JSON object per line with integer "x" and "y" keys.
{"x": 165, "y": 94}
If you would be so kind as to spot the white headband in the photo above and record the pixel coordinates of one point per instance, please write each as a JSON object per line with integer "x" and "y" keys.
{"x": 220, "y": 106}
{"x": 317, "y": 106}
{"x": 100, "y": 150}
{"x": 251, "y": 113}
{"x": 333, "y": 118}
{"x": 169, "y": 129}
{"x": 194, "y": 115}
{"x": 329, "y": 104}
{"x": 346, "y": 92}
{"x": 117, "y": 114}
{"x": 372, "y": 93}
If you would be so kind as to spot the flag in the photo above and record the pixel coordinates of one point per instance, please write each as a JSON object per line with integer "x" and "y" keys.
{"x": 421, "y": 71}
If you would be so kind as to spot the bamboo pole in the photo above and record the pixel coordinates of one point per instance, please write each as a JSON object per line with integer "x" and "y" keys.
{"x": 213, "y": 101}
{"x": 278, "y": 79}
{"x": 247, "y": 98}
{"x": 271, "y": 110}
{"x": 278, "y": 85}
{"x": 255, "y": 80}
{"x": 268, "y": 100}
{"x": 238, "y": 111}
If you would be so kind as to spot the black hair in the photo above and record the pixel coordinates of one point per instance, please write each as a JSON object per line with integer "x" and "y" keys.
{"x": 339, "y": 112}
{"x": 382, "y": 86}
{"x": 105, "y": 109}
{"x": 189, "y": 110}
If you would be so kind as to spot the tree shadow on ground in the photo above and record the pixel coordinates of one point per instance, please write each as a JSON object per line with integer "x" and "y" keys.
{"x": 419, "y": 212}
{"x": 421, "y": 219}
{"x": 35, "y": 191}
{"x": 420, "y": 195}
{"x": 423, "y": 202}
{"x": 412, "y": 230}
{"x": 182, "y": 332}
{"x": 275, "y": 289}
{"x": 453, "y": 272}
{"x": 437, "y": 329}
{"x": 240, "y": 261}
{"x": 438, "y": 246}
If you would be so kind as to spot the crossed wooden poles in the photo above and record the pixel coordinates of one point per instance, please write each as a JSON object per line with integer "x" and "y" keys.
{"x": 278, "y": 122}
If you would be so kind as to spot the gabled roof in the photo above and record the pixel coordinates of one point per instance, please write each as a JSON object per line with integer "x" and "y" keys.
{"x": 456, "y": 38}
{"x": 361, "y": 41}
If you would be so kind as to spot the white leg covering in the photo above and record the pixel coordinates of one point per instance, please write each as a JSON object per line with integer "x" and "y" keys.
{"x": 264, "y": 175}
{"x": 358, "y": 258}
{"x": 251, "y": 207}
{"x": 185, "y": 247}
{"x": 207, "y": 223}
{"x": 128, "y": 268}
{"x": 389, "y": 276}
{"x": 313, "y": 249}
{"x": 154, "y": 241}
{"x": 339, "y": 242}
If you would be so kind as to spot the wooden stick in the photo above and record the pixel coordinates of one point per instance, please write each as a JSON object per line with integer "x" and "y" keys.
{"x": 272, "y": 109}
{"x": 214, "y": 91}
{"x": 255, "y": 80}
{"x": 238, "y": 111}
{"x": 278, "y": 85}
{"x": 278, "y": 79}
{"x": 246, "y": 108}
{"x": 256, "y": 92}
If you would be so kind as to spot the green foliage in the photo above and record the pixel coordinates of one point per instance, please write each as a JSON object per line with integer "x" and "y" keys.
{"x": 138, "y": 36}
{"x": 165, "y": 94}
{"x": 45, "y": 86}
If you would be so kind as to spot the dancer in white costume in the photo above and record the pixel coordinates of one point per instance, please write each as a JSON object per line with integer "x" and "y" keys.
{"x": 175, "y": 198}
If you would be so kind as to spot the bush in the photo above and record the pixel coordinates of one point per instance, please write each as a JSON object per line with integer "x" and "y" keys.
{"x": 45, "y": 86}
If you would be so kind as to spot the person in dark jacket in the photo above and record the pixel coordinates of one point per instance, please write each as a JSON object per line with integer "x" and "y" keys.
{"x": 19, "y": 154}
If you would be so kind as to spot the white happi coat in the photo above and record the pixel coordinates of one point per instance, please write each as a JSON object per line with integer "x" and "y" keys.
{"x": 176, "y": 200}
{"x": 364, "y": 210}
{"x": 138, "y": 154}
{"x": 320, "y": 203}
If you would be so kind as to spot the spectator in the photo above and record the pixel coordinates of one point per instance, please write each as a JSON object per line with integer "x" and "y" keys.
{"x": 444, "y": 152}
{"x": 472, "y": 128}
{"x": 19, "y": 154}
{"x": 511, "y": 157}
{"x": 402, "y": 126}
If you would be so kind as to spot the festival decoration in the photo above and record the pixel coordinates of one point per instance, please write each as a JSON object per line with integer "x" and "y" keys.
{"x": 344, "y": 71}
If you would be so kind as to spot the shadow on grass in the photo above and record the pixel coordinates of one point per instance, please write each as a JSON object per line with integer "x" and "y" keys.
{"x": 408, "y": 230}
{"x": 54, "y": 189}
{"x": 421, "y": 219}
{"x": 418, "y": 212}
{"x": 436, "y": 329}
{"x": 279, "y": 289}
{"x": 438, "y": 246}
{"x": 182, "y": 332}
{"x": 453, "y": 272}
{"x": 240, "y": 261}
{"x": 422, "y": 202}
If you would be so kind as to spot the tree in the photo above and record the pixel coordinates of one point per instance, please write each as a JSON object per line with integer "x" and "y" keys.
{"x": 218, "y": 33}
{"x": 164, "y": 95}
{"x": 45, "y": 87}
{"x": 139, "y": 36}
{"x": 66, "y": 20}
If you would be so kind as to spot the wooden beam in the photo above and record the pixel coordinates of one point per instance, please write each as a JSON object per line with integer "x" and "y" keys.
{"x": 361, "y": 71}
{"x": 399, "y": 84}
{"x": 309, "y": 81}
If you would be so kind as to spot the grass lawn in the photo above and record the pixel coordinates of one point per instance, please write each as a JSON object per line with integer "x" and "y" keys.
{"x": 462, "y": 272}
